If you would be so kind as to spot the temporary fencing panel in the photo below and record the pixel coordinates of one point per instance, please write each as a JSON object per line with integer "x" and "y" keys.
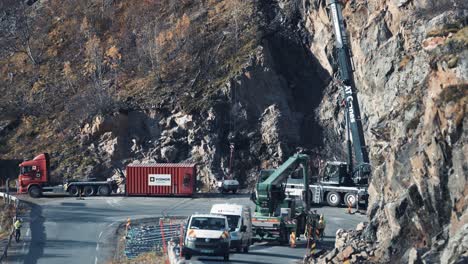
{"x": 161, "y": 179}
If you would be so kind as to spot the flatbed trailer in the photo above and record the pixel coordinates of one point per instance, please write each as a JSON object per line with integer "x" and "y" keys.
{"x": 333, "y": 195}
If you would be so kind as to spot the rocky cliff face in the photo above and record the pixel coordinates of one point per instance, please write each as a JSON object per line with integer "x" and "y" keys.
{"x": 411, "y": 71}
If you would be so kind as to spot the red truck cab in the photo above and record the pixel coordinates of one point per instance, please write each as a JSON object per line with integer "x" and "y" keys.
{"x": 33, "y": 172}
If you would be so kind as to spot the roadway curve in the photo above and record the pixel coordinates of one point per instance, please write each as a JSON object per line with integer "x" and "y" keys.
{"x": 67, "y": 230}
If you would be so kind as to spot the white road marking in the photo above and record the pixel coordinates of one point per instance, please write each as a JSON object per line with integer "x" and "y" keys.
{"x": 24, "y": 246}
{"x": 100, "y": 234}
{"x": 95, "y": 260}
{"x": 27, "y": 233}
{"x": 114, "y": 201}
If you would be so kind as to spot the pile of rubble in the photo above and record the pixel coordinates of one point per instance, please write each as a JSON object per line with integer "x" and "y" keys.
{"x": 350, "y": 247}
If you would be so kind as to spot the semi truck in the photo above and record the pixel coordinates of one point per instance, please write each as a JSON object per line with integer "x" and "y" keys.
{"x": 34, "y": 179}
{"x": 153, "y": 179}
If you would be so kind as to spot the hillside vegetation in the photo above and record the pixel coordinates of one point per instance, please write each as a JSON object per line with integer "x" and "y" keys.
{"x": 65, "y": 62}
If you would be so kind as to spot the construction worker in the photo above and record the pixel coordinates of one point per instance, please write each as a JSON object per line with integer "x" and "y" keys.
{"x": 17, "y": 225}
{"x": 321, "y": 226}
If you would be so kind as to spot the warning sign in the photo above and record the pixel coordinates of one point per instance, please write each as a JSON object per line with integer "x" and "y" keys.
{"x": 159, "y": 179}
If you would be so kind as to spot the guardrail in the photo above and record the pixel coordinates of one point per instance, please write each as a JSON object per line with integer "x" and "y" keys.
{"x": 8, "y": 200}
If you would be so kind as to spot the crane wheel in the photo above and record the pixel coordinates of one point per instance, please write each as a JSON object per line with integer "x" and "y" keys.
{"x": 88, "y": 191}
{"x": 333, "y": 199}
{"x": 350, "y": 199}
{"x": 35, "y": 191}
{"x": 104, "y": 190}
{"x": 73, "y": 191}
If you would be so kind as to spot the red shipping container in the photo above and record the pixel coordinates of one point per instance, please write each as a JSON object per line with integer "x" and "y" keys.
{"x": 161, "y": 179}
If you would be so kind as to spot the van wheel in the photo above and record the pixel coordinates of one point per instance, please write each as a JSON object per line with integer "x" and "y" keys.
{"x": 187, "y": 256}
{"x": 238, "y": 249}
{"x": 73, "y": 190}
{"x": 88, "y": 191}
{"x": 226, "y": 257}
{"x": 35, "y": 191}
{"x": 234, "y": 191}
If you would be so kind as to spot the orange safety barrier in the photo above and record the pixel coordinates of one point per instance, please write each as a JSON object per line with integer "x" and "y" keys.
{"x": 292, "y": 239}
{"x": 181, "y": 239}
{"x": 128, "y": 225}
{"x": 349, "y": 208}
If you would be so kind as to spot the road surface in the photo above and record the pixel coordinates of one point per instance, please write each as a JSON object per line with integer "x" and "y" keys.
{"x": 67, "y": 230}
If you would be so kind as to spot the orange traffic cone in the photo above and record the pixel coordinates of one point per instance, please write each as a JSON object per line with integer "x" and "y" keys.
{"x": 292, "y": 239}
{"x": 350, "y": 209}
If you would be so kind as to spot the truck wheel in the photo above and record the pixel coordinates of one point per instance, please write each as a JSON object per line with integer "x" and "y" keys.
{"x": 88, "y": 191}
{"x": 226, "y": 257}
{"x": 73, "y": 191}
{"x": 333, "y": 199}
{"x": 35, "y": 191}
{"x": 284, "y": 239}
{"x": 350, "y": 199}
{"x": 246, "y": 249}
{"x": 104, "y": 190}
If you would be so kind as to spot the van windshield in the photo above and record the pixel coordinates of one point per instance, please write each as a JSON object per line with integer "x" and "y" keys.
{"x": 208, "y": 223}
{"x": 233, "y": 221}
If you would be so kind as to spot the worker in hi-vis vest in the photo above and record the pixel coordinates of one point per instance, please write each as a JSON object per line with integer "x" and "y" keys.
{"x": 17, "y": 225}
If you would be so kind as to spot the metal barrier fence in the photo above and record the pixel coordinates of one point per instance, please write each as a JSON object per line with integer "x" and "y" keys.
{"x": 153, "y": 237}
{"x": 9, "y": 199}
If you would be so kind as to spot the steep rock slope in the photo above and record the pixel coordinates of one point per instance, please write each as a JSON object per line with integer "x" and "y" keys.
{"x": 411, "y": 71}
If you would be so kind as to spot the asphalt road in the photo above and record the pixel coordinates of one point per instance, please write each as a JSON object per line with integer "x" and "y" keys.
{"x": 66, "y": 230}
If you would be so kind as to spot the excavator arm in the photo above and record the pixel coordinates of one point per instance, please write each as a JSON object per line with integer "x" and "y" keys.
{"x": 270, "y": 191}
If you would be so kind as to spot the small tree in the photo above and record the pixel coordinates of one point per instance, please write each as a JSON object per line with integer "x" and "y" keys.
{"x": 69, "y": 75}
{"x": 94, "y": 58}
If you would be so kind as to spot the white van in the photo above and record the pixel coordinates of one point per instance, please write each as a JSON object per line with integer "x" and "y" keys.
{"x": 207, "y": 234}
{"x": 240, "y": 224}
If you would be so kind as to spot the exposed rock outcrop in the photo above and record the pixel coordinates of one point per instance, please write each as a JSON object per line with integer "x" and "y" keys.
{"x": 410, "y": 59}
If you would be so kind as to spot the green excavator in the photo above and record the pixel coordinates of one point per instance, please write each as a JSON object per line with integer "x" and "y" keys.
{"x": 276, "y": 215}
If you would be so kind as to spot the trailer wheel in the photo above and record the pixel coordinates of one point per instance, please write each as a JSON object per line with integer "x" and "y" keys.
{"x": 246, "y": 249}
{"x": 350, "y": 199}
{"x": 73, "y": 191}
{"x": 104, "y": 190}
{"x": 34, "y": 191}
{"x": 88, "y": 190}
{"x": 333, "y": 199}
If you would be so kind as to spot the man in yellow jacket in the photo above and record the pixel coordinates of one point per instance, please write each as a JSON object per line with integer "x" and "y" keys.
{"x": 18, "y": 223}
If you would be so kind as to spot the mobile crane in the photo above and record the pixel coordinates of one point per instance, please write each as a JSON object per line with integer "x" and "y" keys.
{"x": 277, "y": 215}
{"x": 339, "y": 179}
